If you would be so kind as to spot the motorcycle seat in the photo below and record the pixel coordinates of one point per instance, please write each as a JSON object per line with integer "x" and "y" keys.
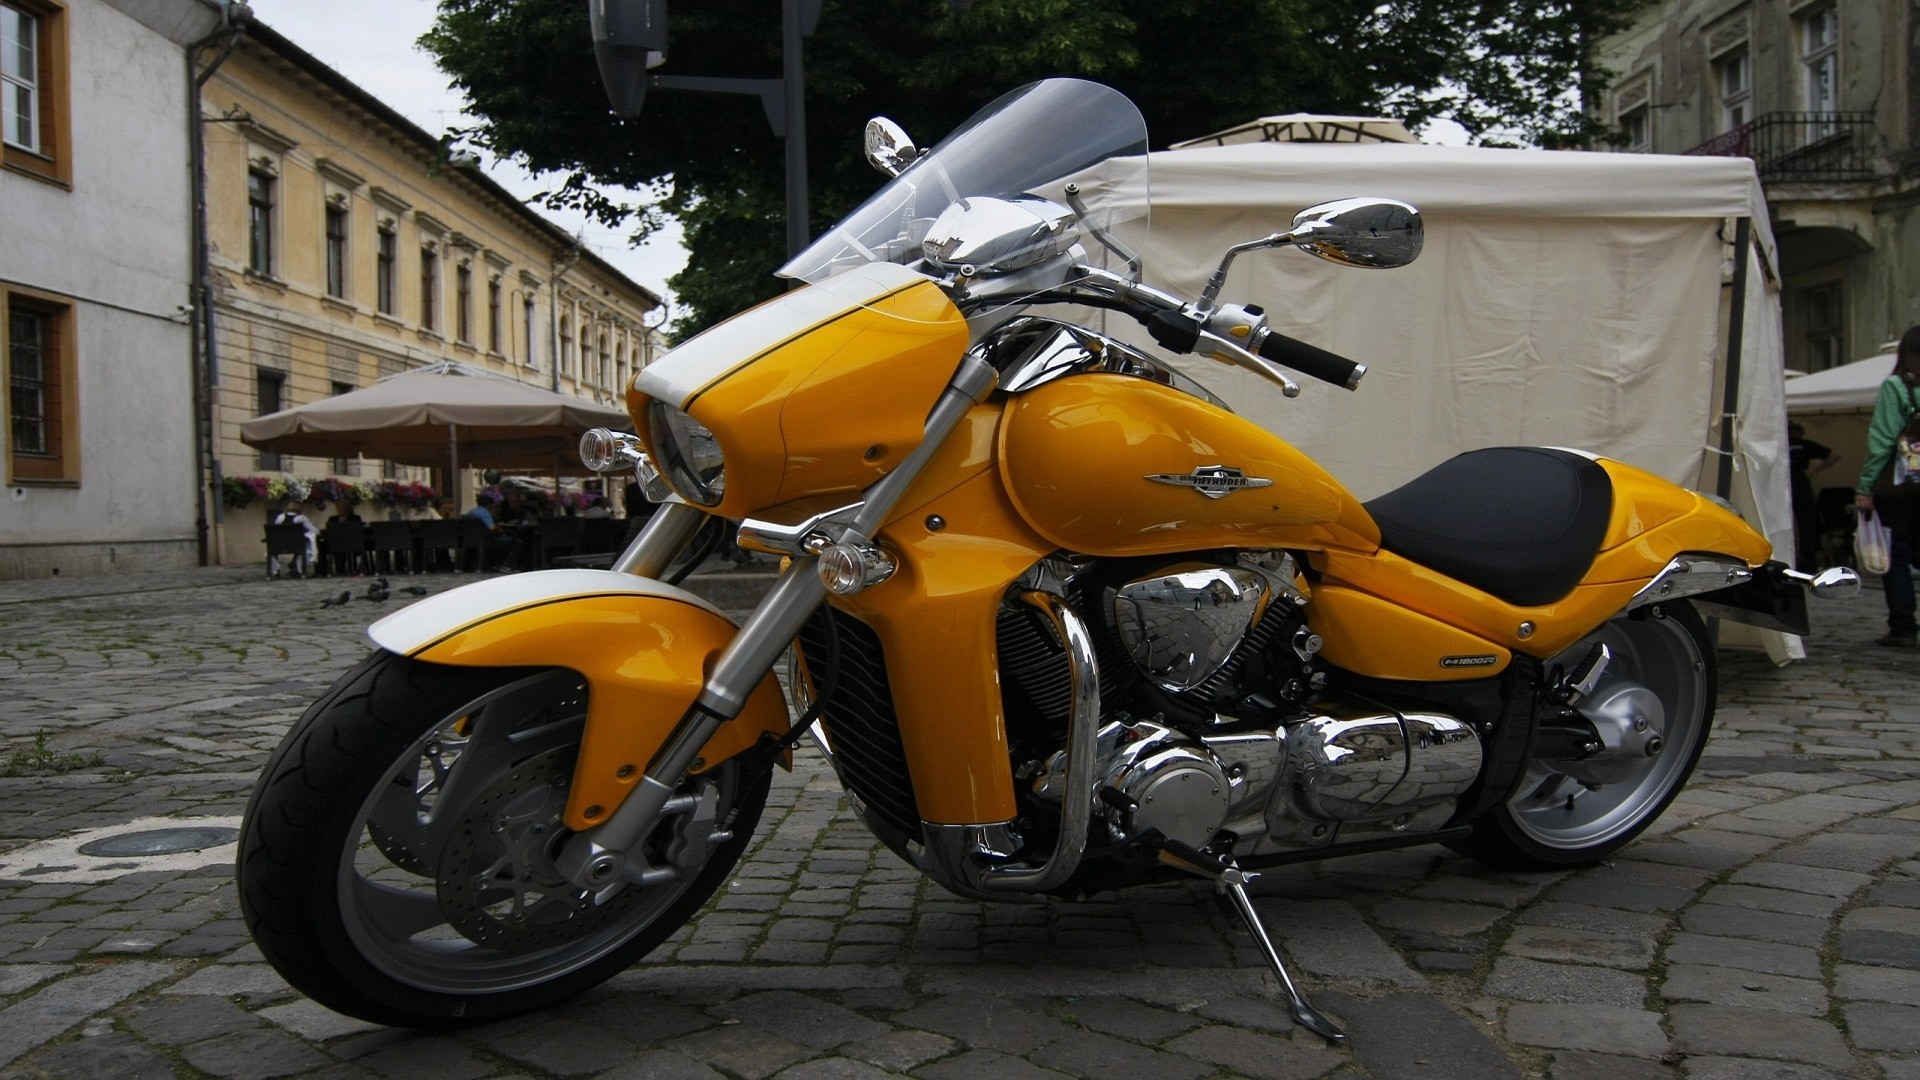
{"x": 1520, "y": 522}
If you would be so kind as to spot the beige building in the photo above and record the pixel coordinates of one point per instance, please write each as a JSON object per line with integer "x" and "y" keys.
{"x": 346, "y": 247}
{"x": 1820, "y": 94}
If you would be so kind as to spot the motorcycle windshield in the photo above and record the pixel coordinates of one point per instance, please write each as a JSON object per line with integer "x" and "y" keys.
{"x": 1025, "y": 141}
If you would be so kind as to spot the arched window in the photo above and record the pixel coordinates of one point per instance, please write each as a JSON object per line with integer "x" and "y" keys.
{"x": 605, "y": 373}
{"x": 566, "y": 345}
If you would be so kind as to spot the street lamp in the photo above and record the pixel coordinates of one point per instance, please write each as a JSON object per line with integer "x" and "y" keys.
{"x": 630, "y": 40}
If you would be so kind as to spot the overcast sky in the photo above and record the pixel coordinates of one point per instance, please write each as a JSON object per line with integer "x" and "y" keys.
{"x": 371, "y": 42}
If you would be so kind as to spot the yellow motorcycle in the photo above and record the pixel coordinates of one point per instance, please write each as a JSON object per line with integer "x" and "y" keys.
{"x": 1061, "y": 621}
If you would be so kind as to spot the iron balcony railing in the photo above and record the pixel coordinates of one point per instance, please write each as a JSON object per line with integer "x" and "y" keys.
{"x": 1801, "y": 146}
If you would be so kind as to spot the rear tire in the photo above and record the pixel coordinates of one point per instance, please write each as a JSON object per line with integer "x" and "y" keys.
{"x": 1552, "y": 822}
{"x": 387, "y": 882}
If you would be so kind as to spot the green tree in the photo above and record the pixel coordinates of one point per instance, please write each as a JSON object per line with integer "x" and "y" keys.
{"x": 1509, "y": 71}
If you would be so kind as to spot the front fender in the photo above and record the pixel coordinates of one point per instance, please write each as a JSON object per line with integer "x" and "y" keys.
{"x": 644, "y": 648}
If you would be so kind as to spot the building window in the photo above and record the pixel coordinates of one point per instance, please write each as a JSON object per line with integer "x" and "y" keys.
{"x": 429, "y": 285}
{"x": 33, "y": 107}
{"x": 1826, "y": 338}
{"x": 463, "y": 300}
{"x": 384, "y": 271}
{"x": 493, "y": 315}
{"x": 342, "y": 466}
{"x": 1636, "y": 125}
{"x": 526, "y": 311}
{"x": 337, "y": 252}
{"x": 604, "y": 376}
{"x": 1735, "y": 72}
{"x": 269, "y": 396}
{"x": 260, "y": 222}
{"x": 41, "y": 421}
{"x": 1820, "y": 58}
{"x": 566, "y": 346}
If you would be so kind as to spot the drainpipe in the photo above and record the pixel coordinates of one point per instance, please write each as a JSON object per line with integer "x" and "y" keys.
{"x": 234, "y": 16}
{"x": 553, "y": 309}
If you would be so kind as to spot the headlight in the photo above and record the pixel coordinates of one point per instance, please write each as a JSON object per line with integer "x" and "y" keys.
{"x": 689, "y": 455}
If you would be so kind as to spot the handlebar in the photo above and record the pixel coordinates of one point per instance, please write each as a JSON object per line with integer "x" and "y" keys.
{"x": 1311, "y": 360}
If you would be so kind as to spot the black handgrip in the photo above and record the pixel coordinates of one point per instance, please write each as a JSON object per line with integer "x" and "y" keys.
{"x": 1310, "y": 360}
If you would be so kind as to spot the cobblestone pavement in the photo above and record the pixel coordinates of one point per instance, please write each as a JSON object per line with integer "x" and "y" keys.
{"x": 1769, "y": 926}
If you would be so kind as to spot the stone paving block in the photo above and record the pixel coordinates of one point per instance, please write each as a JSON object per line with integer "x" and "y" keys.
{"x": 109, "y": 1055}
{"x": 58, "y": 1006}
{"x": 1899, "y": 1068}
{"x": 1720, "y": 921}
{"x": 1729, "y": 1068}
{"x": 1744, "y": 989}
{"x": 1093, "y": 1056}
{"x": 833, "y": 1068}
{"x": 1874, "y": 1025}
{"x": 178, "y": 1021}
{"x": 1599, "y": 1028}
{"x": 1415, "y": 1035}
{"x": 1887, "y": 920}
{"x": 742, "y": 1049}
{"x": 1895, "y": 985}
{"x": 1720, "y": 1030}
{"x": 1588, "y": 917}
{"x": 1127, "y": 1019}
{"x": 564, "y": 1047}
{"x": 1578, "y": 1065}
{"x": 253, "y": 1056}
{"x": 1764, "y": 956}
{"x": 1556, "y": 943}
{"x": 1602, "y": 892}
{"x": 800, "y": 1018}
{"x": 661, "y": 1065}
{"x": 975, "y": 1064}
{"x": 1785, "y": 901}
{"x": 315, "y": 1022}
{"x": 1330, "y": 938}
{"x": 15, "y": 978}
{"x": 406, "y": 1055}
{"x": 1259, "y": 1057}
{"x": 1566, "y": 984}
{"x": 1440, "y": 917}
{"x": 900, "y": 1051}
{"x": 1011, "y": 1024}
{"x": 1879, "y": 947}
{"x": 220, "y": 981}
{"x": 1260, "y": 1014}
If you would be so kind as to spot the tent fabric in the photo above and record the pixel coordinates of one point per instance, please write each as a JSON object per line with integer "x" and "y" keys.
{"x": 1563, "y": 299}
{"x": 1846, "y": 388}
{"x": 496, "y": 422}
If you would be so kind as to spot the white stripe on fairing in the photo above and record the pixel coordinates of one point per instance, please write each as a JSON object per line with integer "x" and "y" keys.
{"x": 424, "y": 622}
{"x": 676, "y": 377}
{"x": 1588, "y": 454}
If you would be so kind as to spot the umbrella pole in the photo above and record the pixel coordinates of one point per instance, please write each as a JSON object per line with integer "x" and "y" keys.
{"x": 453, "y": 466}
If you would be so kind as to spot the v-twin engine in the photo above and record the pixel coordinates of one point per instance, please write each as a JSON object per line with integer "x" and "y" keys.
{"x": 1337, "y": 776}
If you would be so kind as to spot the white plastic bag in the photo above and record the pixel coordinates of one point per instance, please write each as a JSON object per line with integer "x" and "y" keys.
{"x": 1871, "y": 543}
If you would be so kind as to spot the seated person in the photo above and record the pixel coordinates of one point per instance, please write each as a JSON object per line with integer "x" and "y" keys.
{"x": 503, "y": 548}
{"x": 597, "y": 508}
{"x": 285, "y": 513}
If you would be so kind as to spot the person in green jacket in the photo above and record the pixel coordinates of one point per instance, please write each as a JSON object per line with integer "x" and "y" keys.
{"x": 1899, "y": 399}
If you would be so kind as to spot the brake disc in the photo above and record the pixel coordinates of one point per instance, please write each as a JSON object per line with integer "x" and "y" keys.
{"x": 496, "y": 880}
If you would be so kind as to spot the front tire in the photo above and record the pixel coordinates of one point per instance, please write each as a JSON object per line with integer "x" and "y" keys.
{"x": 396, "y": 857}
{"x": 1553, "y": 821}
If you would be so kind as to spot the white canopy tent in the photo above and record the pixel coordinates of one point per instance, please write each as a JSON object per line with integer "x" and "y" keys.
{"x": 1844, "y": 389}
{"x": 1563, "y": 298}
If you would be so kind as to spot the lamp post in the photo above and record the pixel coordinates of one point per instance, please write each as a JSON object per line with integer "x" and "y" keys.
{"x": 630, "y": 40}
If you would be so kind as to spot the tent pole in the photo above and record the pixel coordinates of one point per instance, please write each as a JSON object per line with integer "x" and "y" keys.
{"x": 1736, "y": 326}
{"x": 453, "y": 466}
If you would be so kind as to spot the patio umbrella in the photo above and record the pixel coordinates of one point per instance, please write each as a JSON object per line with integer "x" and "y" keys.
{"x": 443, "y": 414}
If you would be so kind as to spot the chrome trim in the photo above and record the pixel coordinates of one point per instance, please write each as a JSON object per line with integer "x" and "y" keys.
{"x": 604, "y": 450}
{"x": 1073, "y": 350}
{"x": 666, "y": 534}
{"x": 1690, "y": 575}
{"x": 847, "y": 567}
{"x": 1832, "y": 582}
{"x": 1213, "y": 481}
{"x": 774, "y": 538}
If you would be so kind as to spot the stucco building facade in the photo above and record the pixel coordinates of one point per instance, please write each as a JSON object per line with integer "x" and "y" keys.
{"x": 1821, "y": 94}
{"x": 345, "y": 246}
{"x": 95, "y": 254}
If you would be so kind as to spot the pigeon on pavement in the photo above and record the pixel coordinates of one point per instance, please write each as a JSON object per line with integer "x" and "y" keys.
{"x": 415, "y": 590}
{"x": 336, "y": 601}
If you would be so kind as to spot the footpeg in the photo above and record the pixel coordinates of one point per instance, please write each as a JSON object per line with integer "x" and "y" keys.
{"x": 1230, "y": 879}
{"x": 1580, "y": 682}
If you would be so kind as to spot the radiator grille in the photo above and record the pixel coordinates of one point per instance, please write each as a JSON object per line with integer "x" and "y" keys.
{"x": 861, "y": 724}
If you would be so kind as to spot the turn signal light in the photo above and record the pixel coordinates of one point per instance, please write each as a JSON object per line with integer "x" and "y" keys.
{"x": 847, "y": 568}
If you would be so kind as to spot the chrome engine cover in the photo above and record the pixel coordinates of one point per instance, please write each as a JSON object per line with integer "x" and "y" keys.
{"x": 1181, "y": 625}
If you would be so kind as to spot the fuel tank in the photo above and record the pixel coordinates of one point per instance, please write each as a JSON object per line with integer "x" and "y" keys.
{"x": 1107, "y": 464}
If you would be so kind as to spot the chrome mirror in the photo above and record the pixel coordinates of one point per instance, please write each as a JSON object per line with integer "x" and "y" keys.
{"x": 1376, "y": 233}
{"x": 889, "y": 148}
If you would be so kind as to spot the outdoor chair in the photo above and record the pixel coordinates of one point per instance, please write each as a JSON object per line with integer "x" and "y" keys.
{"x": 289, "y": 540}
{"x": 597, "y": 535}
{"x": 390, "y": 547}
{"x": 439, "y": 544}
{"x": 558, "y": 536}
{"x": 473, "y": 538}
{"x": 345, "y": 546}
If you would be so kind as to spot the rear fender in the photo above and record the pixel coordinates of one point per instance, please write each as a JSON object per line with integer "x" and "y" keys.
{"x": 643, "y": 647}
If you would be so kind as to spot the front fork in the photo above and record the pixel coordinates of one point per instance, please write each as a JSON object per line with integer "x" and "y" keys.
{"x": 597, "y": 858}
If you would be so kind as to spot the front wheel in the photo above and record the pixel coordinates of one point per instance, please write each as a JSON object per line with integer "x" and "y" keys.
{"x": 396, "y": 861}
{"x": 1658, "y": 695}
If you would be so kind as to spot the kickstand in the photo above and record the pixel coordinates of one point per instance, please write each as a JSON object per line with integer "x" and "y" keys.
{"x": 1231, "y": 880}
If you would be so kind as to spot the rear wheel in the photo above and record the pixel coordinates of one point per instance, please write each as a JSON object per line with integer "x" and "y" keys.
{"x": 1657, "y": 698}
{"x": 397, "y": 859}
